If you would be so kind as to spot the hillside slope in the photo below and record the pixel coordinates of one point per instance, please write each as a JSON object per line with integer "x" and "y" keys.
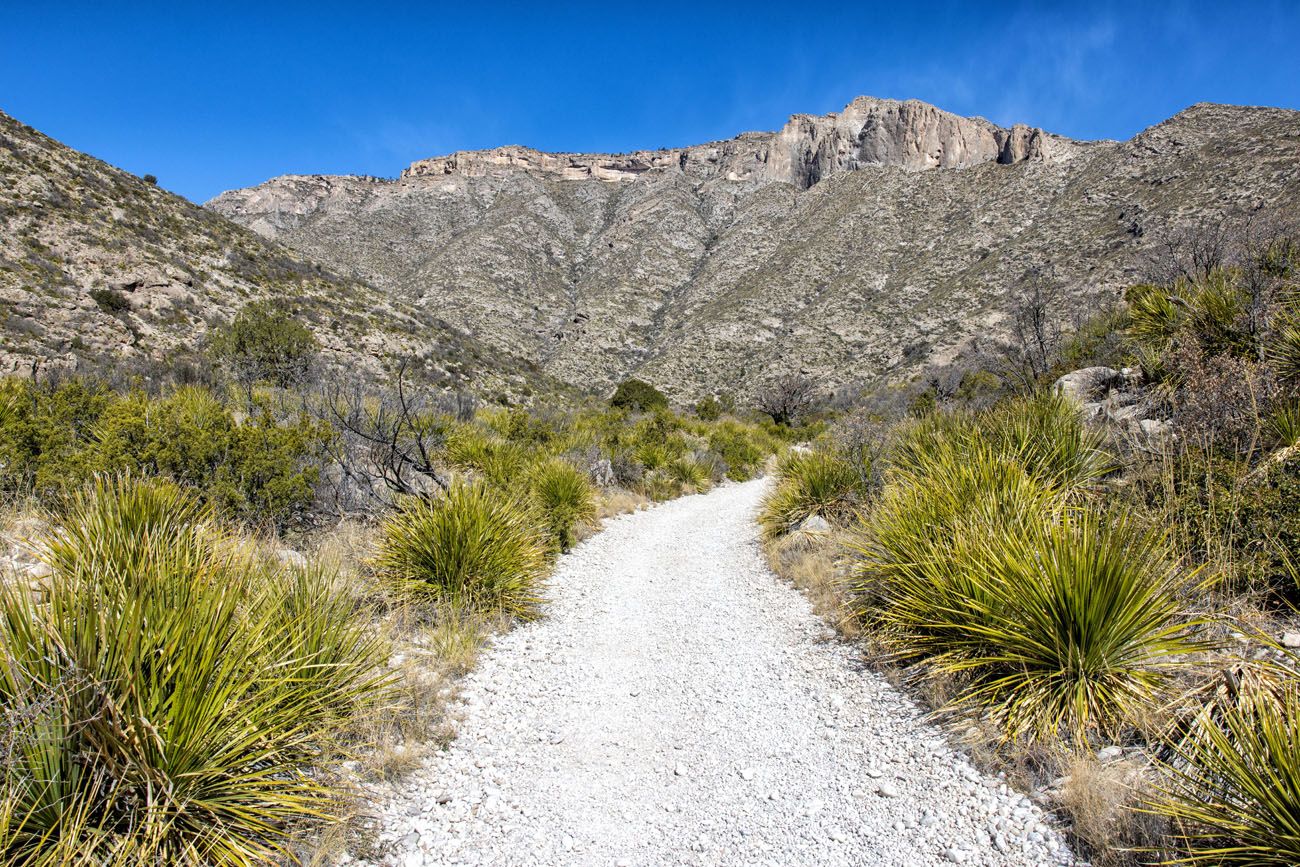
{"x": 852, "y": 246}
{"x": 166, "y": 270}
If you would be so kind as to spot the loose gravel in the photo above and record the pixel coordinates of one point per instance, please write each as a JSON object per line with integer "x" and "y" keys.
{"x": 679, "y": 704}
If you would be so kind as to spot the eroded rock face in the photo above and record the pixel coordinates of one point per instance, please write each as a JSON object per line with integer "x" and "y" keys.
{"x": 887, "y": 132}
{"x": 717, "y": 267}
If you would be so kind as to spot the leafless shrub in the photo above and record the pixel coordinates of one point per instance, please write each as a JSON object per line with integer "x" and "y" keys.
{"x": 1036, "y": 326}
{"x": 789, "y": 399}
{"x": 388, "y": 439}
{"x": 1220, "y": 399}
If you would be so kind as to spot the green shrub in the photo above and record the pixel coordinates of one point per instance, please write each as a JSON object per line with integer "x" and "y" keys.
{"x": 708, "y": 408}
{"x": 474, "y": 547}
{"x": 55, "y": 438}
{"x": 264, "y": 343}
{"x": 155, "y": 665}
{"x": 1235, "y": 788}
{"x": 565, "y": 497}
{"x": 110, "y": 300}
{"x": 638, "y": 396}
{"x": 742, "y": 448}
{"x": 813, "y": 483}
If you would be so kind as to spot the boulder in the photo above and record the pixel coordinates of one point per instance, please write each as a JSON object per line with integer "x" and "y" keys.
{"x": 1088, "y": 384}
{"x": 602, "y": 473}
{"x": 814, "y": 524}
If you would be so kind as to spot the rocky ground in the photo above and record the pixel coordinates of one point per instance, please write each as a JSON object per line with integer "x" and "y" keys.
{"x": 678, "y": 704}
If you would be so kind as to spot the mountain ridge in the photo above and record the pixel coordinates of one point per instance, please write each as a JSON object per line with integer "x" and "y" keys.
{"x": 868, "y": 256}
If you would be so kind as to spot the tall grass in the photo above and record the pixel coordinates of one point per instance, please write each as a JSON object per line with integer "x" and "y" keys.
{"x": 165, "y": 699}
{"x": 474, "y": 547}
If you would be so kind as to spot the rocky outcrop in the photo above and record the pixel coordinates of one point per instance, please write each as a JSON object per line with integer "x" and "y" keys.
{"x": 886, "y": 132}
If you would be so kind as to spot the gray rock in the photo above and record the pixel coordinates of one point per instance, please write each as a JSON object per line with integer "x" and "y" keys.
{"x": 814, "y": 524}
{"x": 1087, "y": 384}
{"x": 1291, "y": 639}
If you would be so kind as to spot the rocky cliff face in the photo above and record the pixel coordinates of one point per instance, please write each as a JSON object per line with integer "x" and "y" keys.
{"x": 868, "y": 131}
{"x": 854, "y": 246}
{"x": 99, "y": 268}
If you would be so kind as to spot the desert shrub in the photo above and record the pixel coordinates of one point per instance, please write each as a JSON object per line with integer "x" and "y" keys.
{"x": 1235, "y": 786}
{"x": 708, "y": 408}
{"x": 156, "y": 664}
{"x": 46, "y": 433}
{"x": 473, "y": 547}
{"x": 518, "y": 425}
{"x": 1268, "y": 526}
{"x": 1282, "y": 424}
{"x": 740, "y": 446}
{"x": 565, "y": 497}
{"x": 110, "y": 300}
{"x": 57, "y": 436}
{"x": 259, "y": 470}
{"x": 1223, "y": 400}
{"x": 638, "y": 396}
{"x": 822, "y": 483}
{"x": 264, "y": 343}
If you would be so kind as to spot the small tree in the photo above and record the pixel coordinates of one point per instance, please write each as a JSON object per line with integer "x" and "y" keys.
{"x": 263, "y": 343}
{"x": 789, "y": 399}
{"x": 150, "y": 179}
{"x": 634, "y": 394}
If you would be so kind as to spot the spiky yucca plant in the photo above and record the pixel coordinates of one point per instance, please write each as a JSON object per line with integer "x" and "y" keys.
{"x": 565, "y": 498}
{"x": 1076, "y": 626}
{"x": 820, "y": 483}
{"x": 980, "y": 557}
{"x": 690, "y": 473}
{"x": 473, "y": 547}
{"x": 159, "y": 710}
{"x": 1234, "y": 787}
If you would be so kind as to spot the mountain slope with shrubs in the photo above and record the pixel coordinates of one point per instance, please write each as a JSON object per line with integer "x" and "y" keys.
{"x": 97, "y": 264}
{"x": 1091, "y": 573}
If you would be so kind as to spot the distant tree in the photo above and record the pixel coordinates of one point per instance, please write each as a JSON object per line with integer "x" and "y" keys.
{"x": 789, "y": 399}
{"x": 150, "y": 179}
{"x": 264, "y": 343}
{"x": 637, "y": 395}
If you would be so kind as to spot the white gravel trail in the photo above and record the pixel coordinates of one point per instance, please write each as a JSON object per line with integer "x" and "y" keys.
{"x": 679, "y": 704}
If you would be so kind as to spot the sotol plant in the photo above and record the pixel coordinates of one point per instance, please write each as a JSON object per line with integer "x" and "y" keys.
{"x": 1235, "y": 786}
{"x": 565, "y": 498}
{"x": 814, "y": 483}
{"x": 473, "y": 547}
{"x": 159, "y": 704}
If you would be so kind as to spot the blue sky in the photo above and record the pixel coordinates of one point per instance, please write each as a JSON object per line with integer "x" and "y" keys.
{"x": 214, "y": 96}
